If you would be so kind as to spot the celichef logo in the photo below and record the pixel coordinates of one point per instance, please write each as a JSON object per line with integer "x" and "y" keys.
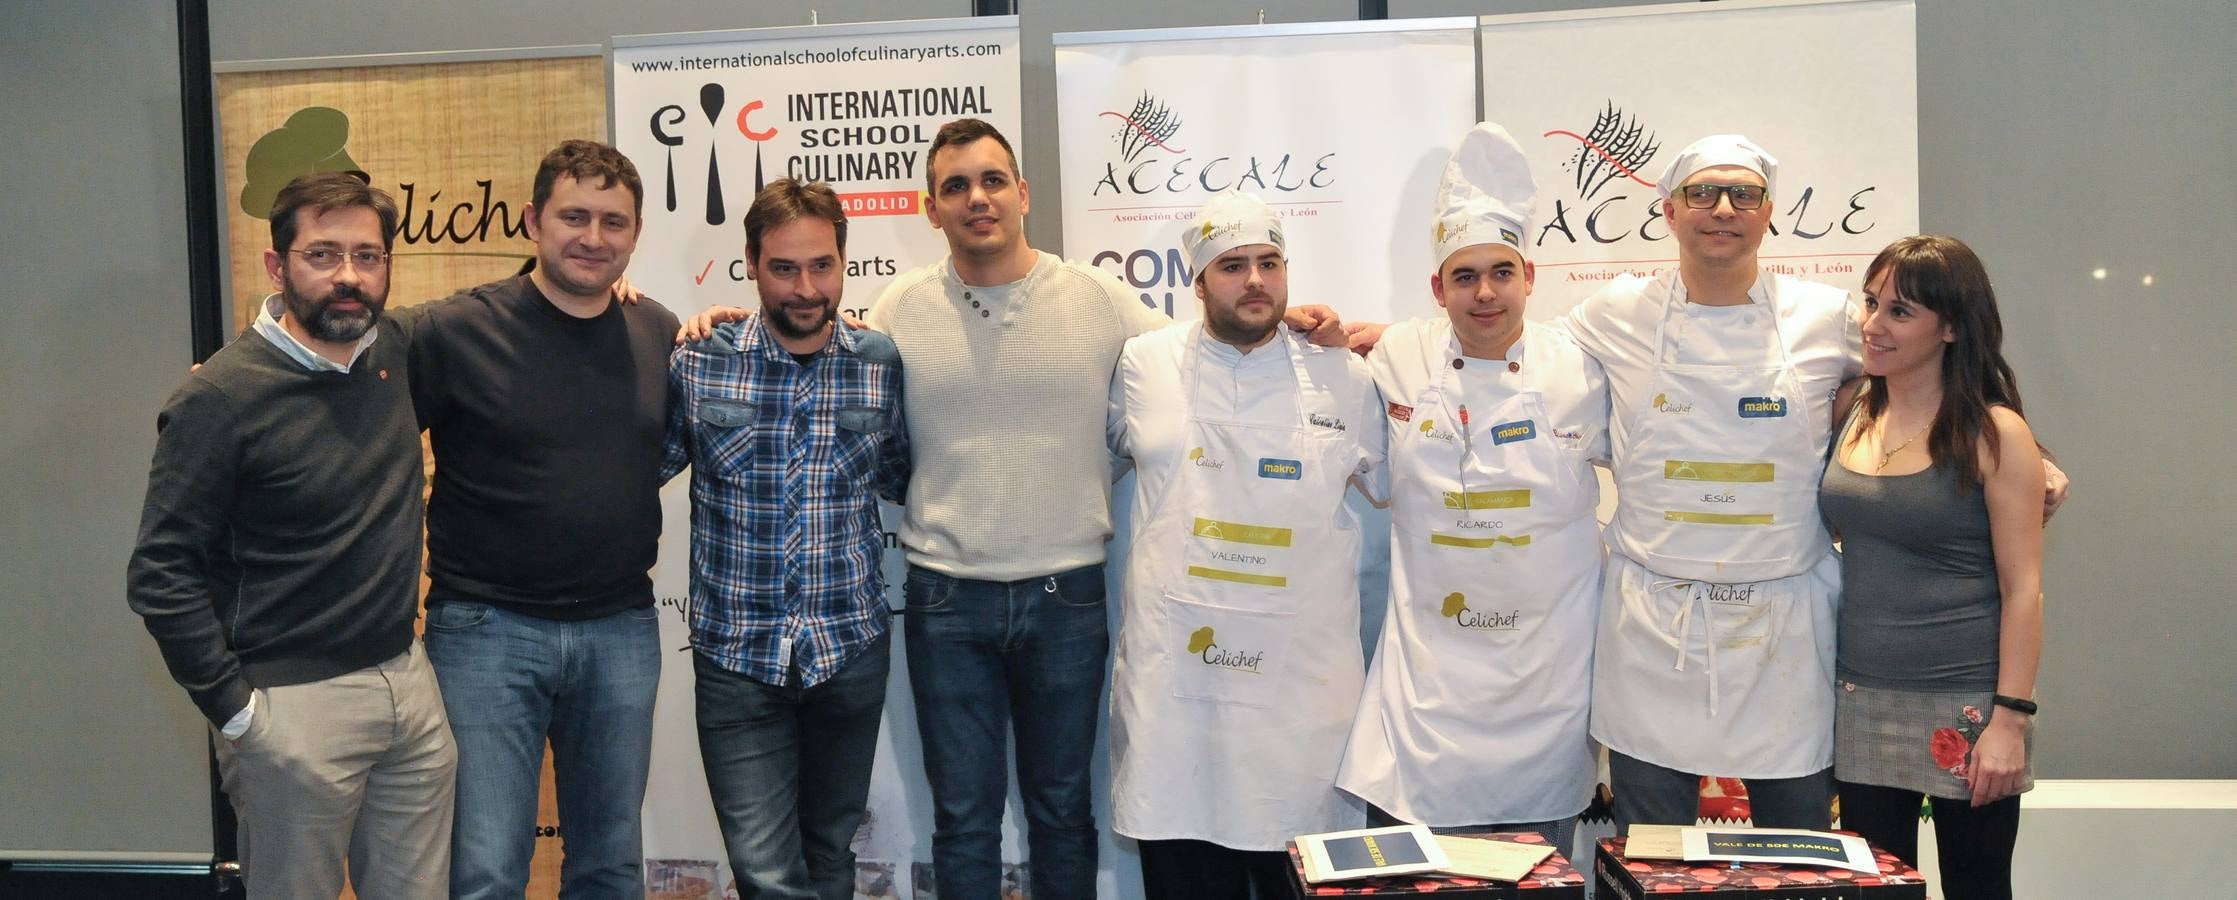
{"x": 1456, "y": 609}
{"x": 1197, "y": 457}
{"x": 1201, "y": 644}
{"x": 1762, "y": 407}
{"x": 1430, "y": 430}
{"x": 1285, "y": 469}
{"x": 1667, "y": 406}
{"x": 1510, "y": 432}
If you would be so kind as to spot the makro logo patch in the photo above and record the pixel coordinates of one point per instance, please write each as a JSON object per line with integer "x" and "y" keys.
{"x": 1762, "y": 407}
{"x": 1510, "y": 432}
{"x": 1285, "y": 469}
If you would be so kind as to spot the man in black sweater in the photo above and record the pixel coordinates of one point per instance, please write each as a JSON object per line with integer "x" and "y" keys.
{"x": 546, "y": 402}
{"x": 278, "y": 567}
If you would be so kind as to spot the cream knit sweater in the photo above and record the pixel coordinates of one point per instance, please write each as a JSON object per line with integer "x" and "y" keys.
{"x": 1005, "y": 390}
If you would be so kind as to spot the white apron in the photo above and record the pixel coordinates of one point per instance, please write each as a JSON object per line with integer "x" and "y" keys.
{"x": 1238, "y": 665}
{"x": 1717, "y": 638}
{"x": 1476, "y": 707}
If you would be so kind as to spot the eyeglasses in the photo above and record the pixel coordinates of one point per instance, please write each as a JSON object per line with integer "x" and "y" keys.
{"x": 1744, "y": 196}
{"x": 325, "y": 260}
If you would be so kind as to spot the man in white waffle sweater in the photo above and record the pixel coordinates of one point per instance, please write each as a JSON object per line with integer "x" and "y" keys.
{"x": 1007, "y": 354}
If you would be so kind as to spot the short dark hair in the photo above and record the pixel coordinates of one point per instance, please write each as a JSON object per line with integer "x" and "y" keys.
{"x": 958, "y": 133}
{"x": 584, "y": 160}
{"x": 324, "y": 192}
{"x": 786, "y": 199}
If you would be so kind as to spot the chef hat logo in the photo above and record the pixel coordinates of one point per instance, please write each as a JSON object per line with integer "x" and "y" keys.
{"x": 1486, "y": 194}
{"x": 1200, "y": 640}
{"x": 1454, "y": 604}
{"x": 310, "y": 141}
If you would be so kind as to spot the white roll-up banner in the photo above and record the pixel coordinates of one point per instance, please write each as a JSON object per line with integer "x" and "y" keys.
{"x": 1601, "y": 100}
{"x": 1342, "y": 127}
{"x": 709, "y": 118}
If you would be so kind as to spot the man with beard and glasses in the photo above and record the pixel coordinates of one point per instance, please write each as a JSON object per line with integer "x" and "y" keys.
{"x": 791, "y": 423}
{"x": 546, "y": 403}
{"x": 1239, "y": 664}
{"x": 278, "y": 567}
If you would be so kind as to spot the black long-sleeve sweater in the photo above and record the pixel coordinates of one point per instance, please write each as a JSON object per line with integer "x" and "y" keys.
{"x": 280, "y": 540}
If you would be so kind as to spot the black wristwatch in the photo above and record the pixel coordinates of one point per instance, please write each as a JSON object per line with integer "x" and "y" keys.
{"x": 2014, "y": 704}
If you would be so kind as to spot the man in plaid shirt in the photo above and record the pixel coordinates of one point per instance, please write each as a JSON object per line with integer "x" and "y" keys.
{"x": 791, "y": 423}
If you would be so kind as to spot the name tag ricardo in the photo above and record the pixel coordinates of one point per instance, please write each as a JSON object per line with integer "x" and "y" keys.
{"x": 1762, "y": 407}
{"x": 1510, "y": 432}
{"x": 1285, "y": 469}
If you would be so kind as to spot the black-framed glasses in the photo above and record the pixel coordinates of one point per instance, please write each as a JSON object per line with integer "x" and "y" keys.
{"x": 327, "y": 260}
{"x": 1744, "y": 196}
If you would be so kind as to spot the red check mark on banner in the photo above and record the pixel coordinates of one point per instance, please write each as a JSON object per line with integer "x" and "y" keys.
{"x": 702, "y": 278}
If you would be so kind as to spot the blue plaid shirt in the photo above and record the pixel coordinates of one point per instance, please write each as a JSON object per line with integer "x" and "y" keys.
{"x": 787, "y": 463}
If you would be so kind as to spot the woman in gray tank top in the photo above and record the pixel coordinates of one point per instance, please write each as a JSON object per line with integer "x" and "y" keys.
{"x": 1934, "y": 488}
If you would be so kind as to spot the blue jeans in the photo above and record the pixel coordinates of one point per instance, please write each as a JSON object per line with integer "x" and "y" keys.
{"x": 789, "y": 770}
{"x": 1649, "y": 793}
{"x": 509, "y": 681}
{"x": 986, "y": 657}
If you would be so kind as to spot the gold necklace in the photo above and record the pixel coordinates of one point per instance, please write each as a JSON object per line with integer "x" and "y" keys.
{"x": 1884, "y": 457}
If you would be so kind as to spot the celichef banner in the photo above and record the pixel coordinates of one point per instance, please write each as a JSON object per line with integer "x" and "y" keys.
{"x": 1343, "y": 127}
{"x": 709, "y": 118}
{"x": 1603, "y": 99}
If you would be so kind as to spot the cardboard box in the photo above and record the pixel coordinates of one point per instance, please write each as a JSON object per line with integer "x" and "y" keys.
{"x": 1554, "y": 879}
{"x": 1628, "y": 879}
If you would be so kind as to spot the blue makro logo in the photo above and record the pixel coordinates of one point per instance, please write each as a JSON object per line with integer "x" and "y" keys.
{"x": 1762, "y": 407}
{"x": 1510, "y": 432}
{"x": 1286, "y": 469}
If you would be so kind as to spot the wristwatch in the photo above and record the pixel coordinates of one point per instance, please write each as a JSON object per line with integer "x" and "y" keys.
{"x": 2014, "y": 704}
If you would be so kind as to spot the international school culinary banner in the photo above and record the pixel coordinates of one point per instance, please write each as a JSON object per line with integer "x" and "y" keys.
{"x": 709, "y": 118}
{"x": 455, "y": 140}
{"x": 1343, "y": 127}
{"x": 1602, "y": 99}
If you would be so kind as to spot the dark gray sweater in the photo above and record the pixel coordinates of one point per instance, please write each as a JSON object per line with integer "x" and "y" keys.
{"x": 280, "y": 541}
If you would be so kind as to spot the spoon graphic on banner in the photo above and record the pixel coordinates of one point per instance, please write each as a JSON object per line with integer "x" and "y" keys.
{"x": 671, "y": 141}
{"x": 710, "y": 100}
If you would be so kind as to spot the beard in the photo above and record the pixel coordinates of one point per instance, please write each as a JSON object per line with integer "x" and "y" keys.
{"x": 779, "y": 315}
{"x": 318, "y": 316}
{"x": 1228, "y": 326}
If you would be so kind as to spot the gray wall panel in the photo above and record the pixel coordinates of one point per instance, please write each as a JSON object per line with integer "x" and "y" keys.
{"x": 102, "y": 754}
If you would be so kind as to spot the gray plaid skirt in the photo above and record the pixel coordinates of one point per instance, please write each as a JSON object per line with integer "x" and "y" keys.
{"x": 1912, "y": 740}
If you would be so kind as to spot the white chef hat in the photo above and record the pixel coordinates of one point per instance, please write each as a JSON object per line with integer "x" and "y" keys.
{"x": 1486, "y": 196}
{"x": 1229, "y": 220}
{"x": 1719, "y": 150}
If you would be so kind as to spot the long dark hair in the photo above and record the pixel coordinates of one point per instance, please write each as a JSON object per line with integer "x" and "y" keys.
{"x": 1940, "y": 273}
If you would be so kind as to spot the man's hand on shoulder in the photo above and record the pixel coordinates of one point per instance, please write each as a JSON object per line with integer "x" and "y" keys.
{"x": 1318, "y": 324}
{"x": 702, "y": 326}
{"x": 625, "y": 293}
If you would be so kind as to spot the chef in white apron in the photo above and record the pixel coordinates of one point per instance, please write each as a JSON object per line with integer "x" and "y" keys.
{"x": 1716, "y": 624}
{"x": 1474, "y": 717}
{"x": 1238, "y": 664}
